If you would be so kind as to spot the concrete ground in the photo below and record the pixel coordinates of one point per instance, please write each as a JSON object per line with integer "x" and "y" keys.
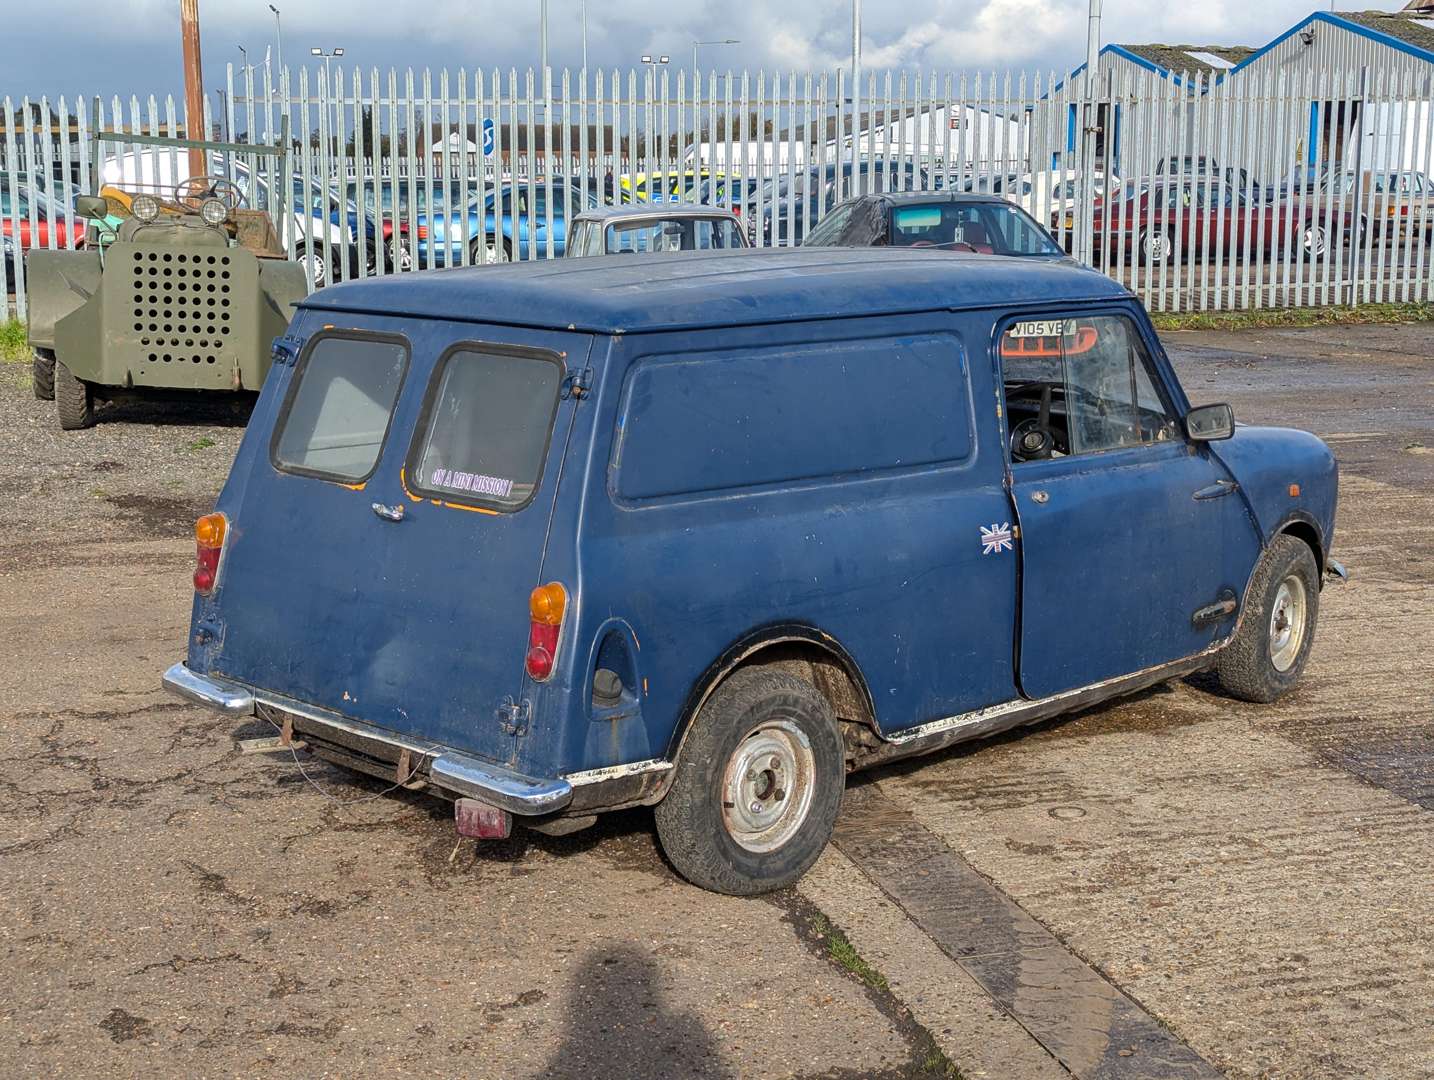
{"x": 1176, "y": 885}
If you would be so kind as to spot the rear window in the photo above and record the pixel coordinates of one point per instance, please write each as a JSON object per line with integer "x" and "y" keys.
{"x": 486, "y": 427}
{"x": 337, "y": 415}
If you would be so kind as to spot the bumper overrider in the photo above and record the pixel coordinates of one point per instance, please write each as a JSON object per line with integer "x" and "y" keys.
{"x": 365, "y": 746}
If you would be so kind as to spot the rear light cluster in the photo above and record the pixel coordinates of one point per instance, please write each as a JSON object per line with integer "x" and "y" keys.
{"x": 546, "y": 607}
{"x": 421, "y": 232}
{"x": 209, "y": 533}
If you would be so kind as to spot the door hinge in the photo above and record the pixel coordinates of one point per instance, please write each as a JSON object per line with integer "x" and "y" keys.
{"x": 578, "y": 383}
{"x": 285, "y": 350}
{"x": 513, "y": 716}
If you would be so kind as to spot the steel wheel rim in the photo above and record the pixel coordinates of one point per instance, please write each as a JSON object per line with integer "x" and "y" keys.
{"x": 1155, "y": 247}
{"x": 767, "y": 786}
{"x": 1314, "y": 240}
{"x": 1287, "y": 622}
{"x": 316, "y": 268}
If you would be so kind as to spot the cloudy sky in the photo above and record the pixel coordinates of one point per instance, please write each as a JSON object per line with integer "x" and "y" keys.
{"x": 127, "y": 46}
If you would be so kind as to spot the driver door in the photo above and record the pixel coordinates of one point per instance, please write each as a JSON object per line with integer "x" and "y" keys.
{"x": 1135, "y": 543}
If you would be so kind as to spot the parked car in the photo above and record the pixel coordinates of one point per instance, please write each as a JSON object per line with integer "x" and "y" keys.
{"x": 797, "y": 203}
{"x": 675, "y": 185}
{"x": 18, "y": 236}
{"x": 949, "y": 221}
{"x": 1403, "y": 200}
{"x": 745, "y": 521}
{"x": 1049, "y": 196}
{"x": 638, "y": 228}
{"x": 1195, "y": 217}
{"x": 519, "y": 228}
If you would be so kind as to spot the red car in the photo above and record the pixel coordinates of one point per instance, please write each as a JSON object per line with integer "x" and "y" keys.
{"x": 1199, "y": 215}
{"x": 16, "y": 234}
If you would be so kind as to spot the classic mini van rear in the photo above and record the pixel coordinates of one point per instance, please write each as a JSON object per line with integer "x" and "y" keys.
{"x": 708, "y": 532}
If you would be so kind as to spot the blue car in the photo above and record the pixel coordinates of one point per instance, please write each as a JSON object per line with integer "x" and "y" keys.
{"x": 507, "y": 224}
{"x": 707, "y": 532}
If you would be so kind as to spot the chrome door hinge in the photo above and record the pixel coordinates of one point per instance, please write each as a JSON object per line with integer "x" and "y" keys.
{"x": 578, "y": 383}
{"x": 513, "y": 716}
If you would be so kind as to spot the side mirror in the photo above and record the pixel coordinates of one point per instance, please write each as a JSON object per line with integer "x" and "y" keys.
{"x": 1209, "y": 423}
{"x": 92, "y": 207}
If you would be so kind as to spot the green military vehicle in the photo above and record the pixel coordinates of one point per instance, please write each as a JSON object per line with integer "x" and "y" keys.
{"x": 180, "y": 289}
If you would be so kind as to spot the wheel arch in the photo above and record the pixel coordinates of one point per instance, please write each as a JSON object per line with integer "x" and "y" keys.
{"x": 809, "y": 652}
{"x": 1304, "y": 527}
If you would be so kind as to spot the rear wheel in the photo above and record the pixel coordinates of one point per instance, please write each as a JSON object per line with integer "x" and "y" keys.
{"x": 74, "y": 400}
{"x": 42, "y": 374}
{"x": 1272, "y": 644}
{"x": 490, "y": 249}
{"x": 758, "y": 785}
{"x": 1315, "y": 241}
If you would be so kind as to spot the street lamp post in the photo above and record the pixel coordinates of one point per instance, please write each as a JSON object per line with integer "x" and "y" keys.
{"x": 695, "y": 46}
{"x": 326, "y": 57}
{"x": 278, "y": 39}
{"x": 652, "y": 62}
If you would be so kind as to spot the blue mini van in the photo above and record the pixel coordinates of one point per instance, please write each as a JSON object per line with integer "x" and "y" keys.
{"x": 710, "y": 531}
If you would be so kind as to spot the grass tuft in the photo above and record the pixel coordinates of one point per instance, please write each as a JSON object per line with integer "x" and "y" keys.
{"x": 845, "y": 954}
{"x": 204, "y": 442}
{"x": 1258, "y": 318}
{"x": 13, "y": 347}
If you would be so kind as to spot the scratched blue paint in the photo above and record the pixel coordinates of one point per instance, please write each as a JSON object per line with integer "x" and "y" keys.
{"x": 420, "y": 626}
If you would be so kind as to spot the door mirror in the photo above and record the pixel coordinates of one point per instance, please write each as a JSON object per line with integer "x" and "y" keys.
{"x": 1210, "y": 422}
{"x": 92, "y": 207}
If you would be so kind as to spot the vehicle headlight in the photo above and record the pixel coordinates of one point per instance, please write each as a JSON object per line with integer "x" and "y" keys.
{"x": 213, "y": 211}
{"x": 144, "y": 207}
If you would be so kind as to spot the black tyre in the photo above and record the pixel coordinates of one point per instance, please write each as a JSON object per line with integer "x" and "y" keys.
{"x": 1272, "y": 644}
{"x": 74, "y": 400}
{"x": 758, "y": 785}
{"x": 42, "y": 374}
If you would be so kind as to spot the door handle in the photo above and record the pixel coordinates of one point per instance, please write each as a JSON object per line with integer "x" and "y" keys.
{"x": 388, "y": 513}
{"x": 1217, "y": 489}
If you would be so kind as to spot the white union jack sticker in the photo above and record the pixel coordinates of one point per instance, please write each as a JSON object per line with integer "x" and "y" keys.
{"x": 996, "y": 539}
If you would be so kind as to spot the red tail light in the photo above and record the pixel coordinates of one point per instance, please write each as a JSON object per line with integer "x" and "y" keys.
{"x": 546, "y": 607}
{"x": 421, "y": 232}
{"x": 209, "y": 533}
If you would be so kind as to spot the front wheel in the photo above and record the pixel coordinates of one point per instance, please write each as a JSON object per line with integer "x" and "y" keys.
{"x": 74, "y": 400}
{"x": 1315, "y": 241}
{"x": 490, "y": 250}
{"x": 318, "y": 267}
{"x": 1265, "y": 659}
{"x": 758, "y": 785}
{"x": 42, "y": 374}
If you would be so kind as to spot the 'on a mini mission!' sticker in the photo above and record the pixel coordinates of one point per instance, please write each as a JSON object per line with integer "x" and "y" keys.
{"x": 476, "y": 483}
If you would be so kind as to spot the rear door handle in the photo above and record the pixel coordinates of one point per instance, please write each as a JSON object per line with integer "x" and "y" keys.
{"x": 1218, "y": 488}
{"x": 388, "y": 513}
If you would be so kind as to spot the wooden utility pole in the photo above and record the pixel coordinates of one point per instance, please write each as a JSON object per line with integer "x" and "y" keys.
{"x": 193, "y": 84}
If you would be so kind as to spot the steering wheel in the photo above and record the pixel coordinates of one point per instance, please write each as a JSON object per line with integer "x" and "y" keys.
{"x": 921, "y": 243}
{"x": 192, "y": 193}
{"x": 958, "y": 245}
{"x": 1033, "y": 439}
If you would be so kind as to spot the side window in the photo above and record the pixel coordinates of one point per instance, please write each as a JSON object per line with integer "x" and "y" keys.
{"x": 1080, "y": 386}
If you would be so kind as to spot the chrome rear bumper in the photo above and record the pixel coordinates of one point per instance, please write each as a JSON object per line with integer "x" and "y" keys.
{"x": 455, "y": 772}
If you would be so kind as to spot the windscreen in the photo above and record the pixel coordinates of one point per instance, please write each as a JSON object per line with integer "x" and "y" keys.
{"x": 673, "y": 234}
{"x": 986, "y": 228}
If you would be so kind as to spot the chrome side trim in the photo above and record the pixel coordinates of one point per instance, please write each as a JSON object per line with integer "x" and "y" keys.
{"x": 222, "y": 696}
{"x": 981, "y": 718}
{"x": 498, "y": 786}
{"x": 618, "y": 772}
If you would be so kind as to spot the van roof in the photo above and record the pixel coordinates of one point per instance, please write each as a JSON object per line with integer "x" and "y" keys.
{"x": 633, "y": 293}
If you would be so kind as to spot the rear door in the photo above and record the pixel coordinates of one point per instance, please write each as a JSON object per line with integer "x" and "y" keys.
{"x": 382, "y": 556}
